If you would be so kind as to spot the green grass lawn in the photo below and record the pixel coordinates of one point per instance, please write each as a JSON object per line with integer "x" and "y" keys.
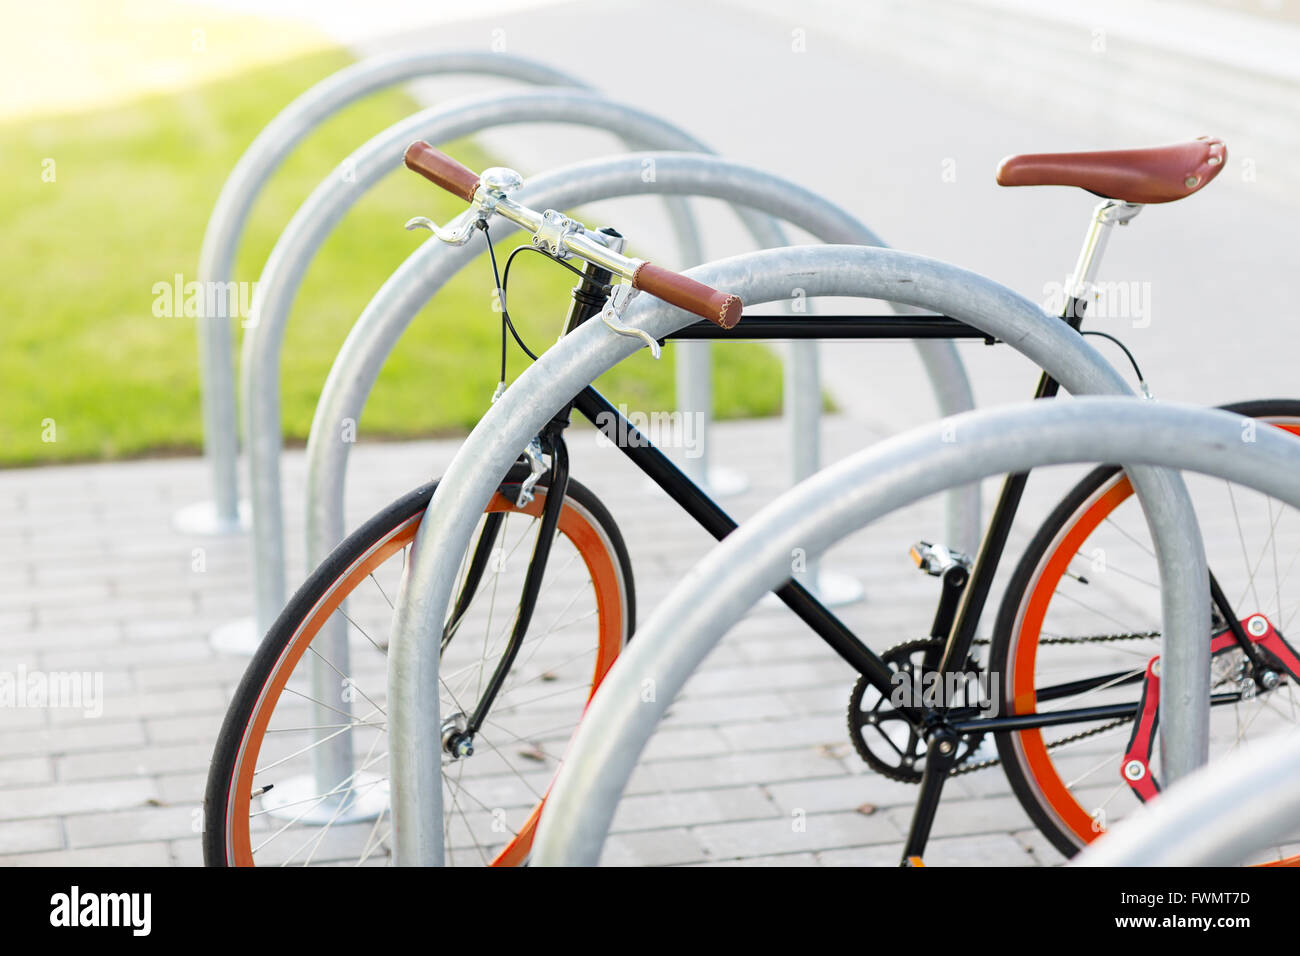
{"x": 132, "y": 191}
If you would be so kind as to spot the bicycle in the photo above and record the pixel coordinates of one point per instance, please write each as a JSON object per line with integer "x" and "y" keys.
{"x": 500, "y": 824}
{"x": 713, "y": 597}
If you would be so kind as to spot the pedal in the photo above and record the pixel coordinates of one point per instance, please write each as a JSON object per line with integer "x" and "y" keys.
{"x": 937, "y": 559}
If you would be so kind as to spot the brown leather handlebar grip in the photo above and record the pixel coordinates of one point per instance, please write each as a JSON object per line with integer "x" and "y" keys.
{"x": 718, "y": 307}
{"x": 441, "y": 170}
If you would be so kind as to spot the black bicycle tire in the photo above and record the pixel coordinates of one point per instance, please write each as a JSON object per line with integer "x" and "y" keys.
{"x": 216, "y": 793}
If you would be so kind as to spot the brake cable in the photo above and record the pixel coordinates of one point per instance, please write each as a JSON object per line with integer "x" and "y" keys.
{"x": 502, "y": 278}
{"x": 1142, "y": 382}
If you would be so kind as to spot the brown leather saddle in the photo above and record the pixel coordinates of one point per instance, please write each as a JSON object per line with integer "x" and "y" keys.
{"x": 1153, "y": 174}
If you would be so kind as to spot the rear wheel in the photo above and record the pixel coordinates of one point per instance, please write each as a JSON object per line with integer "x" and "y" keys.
{"x": 300, "y": 772}
{"x": 1080, "y": 623}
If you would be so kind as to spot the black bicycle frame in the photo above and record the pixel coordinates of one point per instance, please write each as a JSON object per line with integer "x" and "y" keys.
{"x": 958, "y": 614}
{"x": 696, "y": 502}
{"x": 709, "y": 515}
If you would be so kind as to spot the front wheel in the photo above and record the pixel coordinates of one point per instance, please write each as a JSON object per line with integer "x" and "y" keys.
{"x": 300, "y": 771}
{"x": 1079, "y": 626}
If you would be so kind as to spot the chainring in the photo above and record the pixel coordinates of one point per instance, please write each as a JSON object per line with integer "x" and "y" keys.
{"x": 871, "y": 717}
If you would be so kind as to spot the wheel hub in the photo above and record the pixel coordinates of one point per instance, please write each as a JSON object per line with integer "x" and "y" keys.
{"x": 456, "y": 740}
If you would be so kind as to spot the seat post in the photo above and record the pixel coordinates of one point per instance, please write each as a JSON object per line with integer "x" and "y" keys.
{"x": 976, "y": 591}
{"x": 1108, "y": 213}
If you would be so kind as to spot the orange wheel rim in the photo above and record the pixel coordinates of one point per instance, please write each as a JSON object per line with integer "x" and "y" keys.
{"x": 1024, "y": 697}
{"x": 606, "y": 579}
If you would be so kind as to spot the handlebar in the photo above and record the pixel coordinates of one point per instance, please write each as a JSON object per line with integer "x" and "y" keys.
{"x": 441, "y": 170}
{"x": 562, "y": 236}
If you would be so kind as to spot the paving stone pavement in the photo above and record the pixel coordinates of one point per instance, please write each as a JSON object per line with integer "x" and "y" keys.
{"x": 93, "y": 578}
{"x": 751, "y": 766}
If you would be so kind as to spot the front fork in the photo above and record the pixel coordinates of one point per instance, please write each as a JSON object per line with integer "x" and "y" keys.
{"x": 460, "y": 742}
{"x": 588, "y": 300}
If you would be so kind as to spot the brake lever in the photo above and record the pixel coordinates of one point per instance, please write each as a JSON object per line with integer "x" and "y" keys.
{"x": 455, "y": 233}
{"x": 612, "y": 314}
{"x": 494, "y": 185}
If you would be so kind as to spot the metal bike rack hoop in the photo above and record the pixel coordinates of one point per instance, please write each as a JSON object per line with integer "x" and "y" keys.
{"x": 431, "y": 266}
{"x": 582, "y": 356}
{"x": 377, "y": 331}
{"x": 311, "y": 224}
{"x": 849, "y": 495}
{"x": 252, "y": 171}
{"x": 282, "y": 275}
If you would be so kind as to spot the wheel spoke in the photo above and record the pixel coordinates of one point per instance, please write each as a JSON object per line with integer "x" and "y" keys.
{"x": 1049, "y": 626}
{"x": 515, "y": 751}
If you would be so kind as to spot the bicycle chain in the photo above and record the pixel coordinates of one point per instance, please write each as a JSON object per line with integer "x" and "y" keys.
{"x": 995, "y": 761}
{"x": 1072, "y": 738}
{"x": 965, "y": 768}
{"x": 1095, "y": 639}
{"x": 1081, "y": 735}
